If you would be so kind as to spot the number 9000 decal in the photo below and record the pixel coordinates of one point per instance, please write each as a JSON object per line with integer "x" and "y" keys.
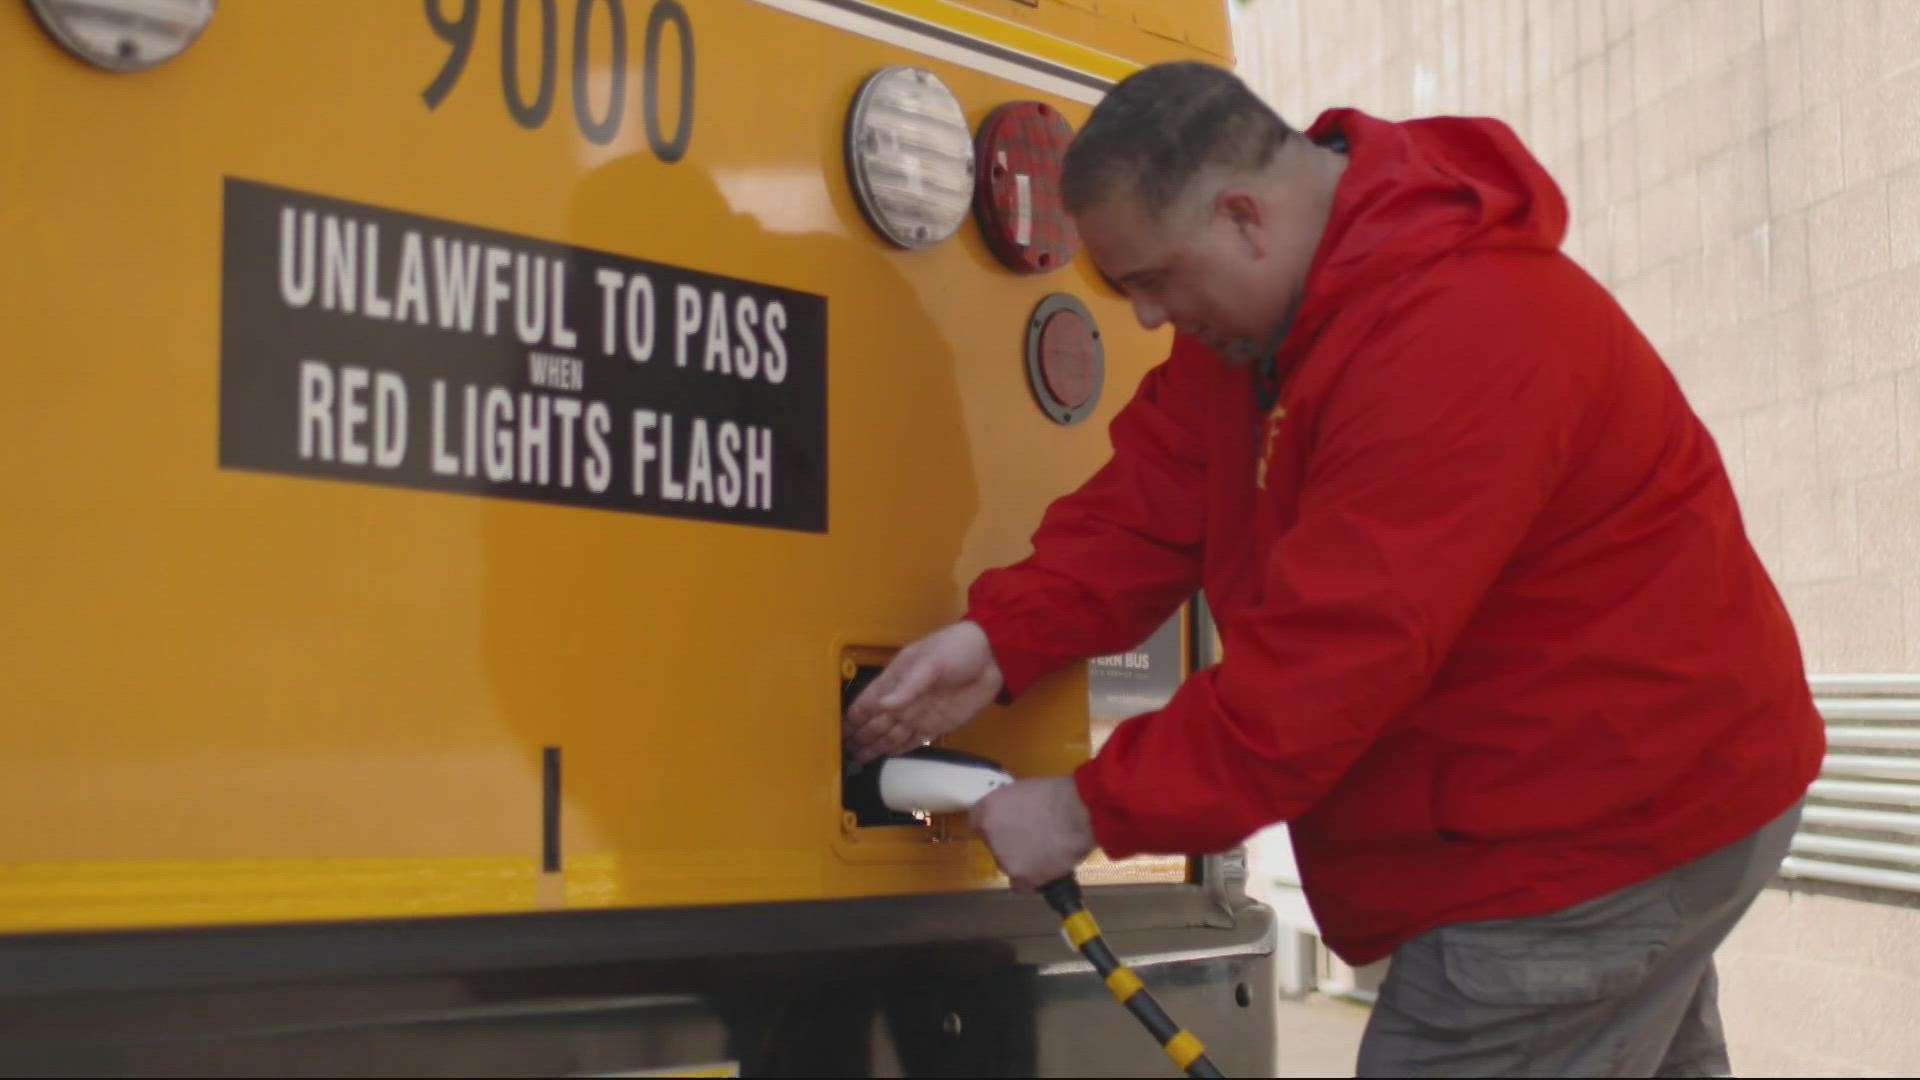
{"x": 599, "y": 121}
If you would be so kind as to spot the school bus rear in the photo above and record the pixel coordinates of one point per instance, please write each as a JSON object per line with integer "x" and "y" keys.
{"x": 463, "y": 453}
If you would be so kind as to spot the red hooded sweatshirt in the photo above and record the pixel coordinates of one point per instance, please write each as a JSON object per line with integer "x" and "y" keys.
{"x": 1494, "y": 639}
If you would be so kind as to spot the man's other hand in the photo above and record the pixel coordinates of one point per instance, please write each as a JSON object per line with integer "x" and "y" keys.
{"x": 931, "y": 688}
{"x": 1038, "y": 830}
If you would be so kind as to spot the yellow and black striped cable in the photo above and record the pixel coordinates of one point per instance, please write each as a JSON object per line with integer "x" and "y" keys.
{"x": 1084, "y": 934}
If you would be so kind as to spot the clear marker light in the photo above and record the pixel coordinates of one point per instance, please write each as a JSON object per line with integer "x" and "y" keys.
{"x": 910, "y": 153}
{"x": 124, "y": 35}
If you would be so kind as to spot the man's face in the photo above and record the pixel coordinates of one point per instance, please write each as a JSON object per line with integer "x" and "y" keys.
{"x": 1214, "y": 264}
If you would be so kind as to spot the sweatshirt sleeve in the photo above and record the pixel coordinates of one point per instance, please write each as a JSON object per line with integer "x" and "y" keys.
{"x": 1435, "y": 453}
{"x": 1112, "y": 560}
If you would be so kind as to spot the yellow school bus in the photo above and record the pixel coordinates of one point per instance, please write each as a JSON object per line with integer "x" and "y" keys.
{"x": 467, "y": 452}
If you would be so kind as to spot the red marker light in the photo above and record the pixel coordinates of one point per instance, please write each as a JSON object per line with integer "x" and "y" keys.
{"x": 1017, "y": 187}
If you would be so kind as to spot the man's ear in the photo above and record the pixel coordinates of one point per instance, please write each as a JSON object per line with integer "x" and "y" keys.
{"x": 1245, "y": 214}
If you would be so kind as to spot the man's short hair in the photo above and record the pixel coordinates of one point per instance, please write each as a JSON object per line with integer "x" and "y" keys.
{"x": 1160, "y": 127}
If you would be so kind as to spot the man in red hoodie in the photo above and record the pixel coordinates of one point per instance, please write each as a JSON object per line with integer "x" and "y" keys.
{"x": 1495, "y": 644}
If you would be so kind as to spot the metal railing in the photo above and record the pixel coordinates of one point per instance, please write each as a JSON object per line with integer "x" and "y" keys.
{"x": 1862, "y": 821}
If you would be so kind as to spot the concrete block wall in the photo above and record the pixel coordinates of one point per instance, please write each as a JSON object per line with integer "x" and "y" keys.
{"x": 1744, "y": 175}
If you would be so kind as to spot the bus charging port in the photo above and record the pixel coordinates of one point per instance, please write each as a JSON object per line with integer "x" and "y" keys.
{"x": 859, "y": 785}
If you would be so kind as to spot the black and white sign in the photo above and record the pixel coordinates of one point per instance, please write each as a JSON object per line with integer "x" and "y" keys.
{"x": 361, "y": 343}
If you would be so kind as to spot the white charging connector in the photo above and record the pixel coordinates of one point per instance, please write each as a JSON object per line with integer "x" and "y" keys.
{"x": 935, "y": 780}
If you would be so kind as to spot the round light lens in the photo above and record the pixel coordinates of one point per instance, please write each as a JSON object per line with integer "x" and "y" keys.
{"x": 1066, "y": 359}
{"x": 910, "y": 154}
{"x": 1026, "y": 225}
{"x": 1066, "y": 365}
{"x": 124, "y": 35}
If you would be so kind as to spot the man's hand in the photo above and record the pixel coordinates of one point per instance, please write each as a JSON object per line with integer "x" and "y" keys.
{"x": 1038, "y": 830}
{"x": 934, "y": 686}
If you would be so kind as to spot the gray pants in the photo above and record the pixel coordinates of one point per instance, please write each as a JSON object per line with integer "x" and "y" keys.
{"x": 1621, "y": 985}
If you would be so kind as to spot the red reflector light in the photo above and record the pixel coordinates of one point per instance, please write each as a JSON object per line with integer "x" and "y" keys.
{"x": 1066, "y": 358}
{"x": 1066, "y": 364}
